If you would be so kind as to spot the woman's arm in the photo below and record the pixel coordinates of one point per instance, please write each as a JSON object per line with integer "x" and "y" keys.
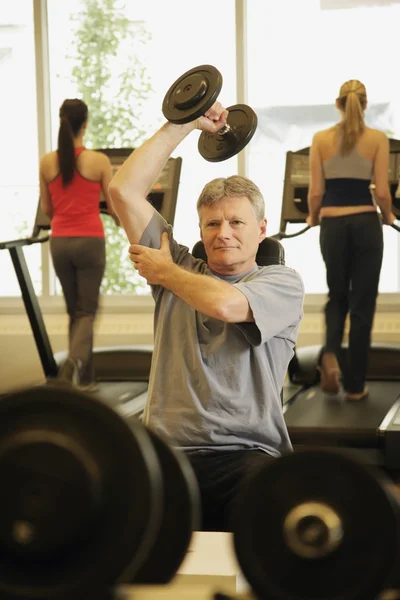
{"x": 317, "y": 183}
{"x": 45, "y": 197}
{"x": 381, "y": 177}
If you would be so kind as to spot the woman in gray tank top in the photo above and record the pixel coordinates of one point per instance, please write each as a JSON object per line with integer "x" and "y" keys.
{"x": 344, "y": 160}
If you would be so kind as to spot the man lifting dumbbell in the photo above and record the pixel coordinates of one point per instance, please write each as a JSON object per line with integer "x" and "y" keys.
{"x": 224, "y": 330}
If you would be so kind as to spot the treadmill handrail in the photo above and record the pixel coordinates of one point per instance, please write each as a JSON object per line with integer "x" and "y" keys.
{"x": 23, "y": 242}
{"x": 283, "y": 236}
{"x": 31, "y": 303}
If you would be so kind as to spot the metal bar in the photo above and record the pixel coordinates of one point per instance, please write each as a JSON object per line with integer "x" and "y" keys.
{"x": 43, "y": 107}
{"x": 241, "y": 70}
{"x": 33, "y": 311}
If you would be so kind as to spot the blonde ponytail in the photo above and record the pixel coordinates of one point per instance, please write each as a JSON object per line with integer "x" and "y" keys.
{"x": 352, "y": 101}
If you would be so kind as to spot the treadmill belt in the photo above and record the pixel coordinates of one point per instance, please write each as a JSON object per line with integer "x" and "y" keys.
{"x": 289, "y": 391}
{"x": 315, "y": 417}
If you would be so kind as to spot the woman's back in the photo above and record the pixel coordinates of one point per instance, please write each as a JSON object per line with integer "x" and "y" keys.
{"x": 366, "y": 146}
{"x": 89, "y": 164}
{"x": 72, "y": 178}
{"x": 348, "y": 175}
{"x": 76, "y": 205}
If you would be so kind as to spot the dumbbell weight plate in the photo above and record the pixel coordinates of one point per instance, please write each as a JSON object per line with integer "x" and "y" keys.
{"x": 287, "y": 553}
{"x": 181, "y": 516}
{"x": 80, "y": 503}
{"x": 216, "y": 147}
{"x": 192, "y": 94}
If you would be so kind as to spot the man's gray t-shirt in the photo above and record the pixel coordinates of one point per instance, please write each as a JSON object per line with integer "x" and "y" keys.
{"x": 216, "y": 385}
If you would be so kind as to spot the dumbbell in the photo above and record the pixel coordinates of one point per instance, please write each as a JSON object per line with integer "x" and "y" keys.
{"x": 190, "y": 97}
{"x": 318, "y": 524}
{"x": 88, "y": 499}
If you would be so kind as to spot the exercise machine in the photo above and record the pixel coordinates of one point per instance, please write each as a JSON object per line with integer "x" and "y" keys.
{"x": 313, "y": 417}
{"x": 122, "y": 371}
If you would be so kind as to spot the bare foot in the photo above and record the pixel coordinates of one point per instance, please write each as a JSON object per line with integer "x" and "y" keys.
{"x": 356, "y": 397}
{"x": 330, "y": 373}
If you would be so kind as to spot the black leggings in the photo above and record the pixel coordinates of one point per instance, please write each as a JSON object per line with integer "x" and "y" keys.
{"x": 220, "y": 475}
{"x": 352, "y": 248}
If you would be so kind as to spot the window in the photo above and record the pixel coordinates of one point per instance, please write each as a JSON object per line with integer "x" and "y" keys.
{"x": 18, "y": 151}
{"x": 123, "y": 75}
{"x": 305, "y": 59}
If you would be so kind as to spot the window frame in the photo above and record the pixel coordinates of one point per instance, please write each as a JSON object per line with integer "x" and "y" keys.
{"x": 387, "y": 302}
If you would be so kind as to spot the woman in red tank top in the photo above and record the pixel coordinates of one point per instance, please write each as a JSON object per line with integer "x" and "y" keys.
{"x": 71, "y": 181}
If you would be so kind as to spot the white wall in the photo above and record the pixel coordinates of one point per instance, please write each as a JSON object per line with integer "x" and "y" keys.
{"x": 20, "y": 365}
{"x": 19, "y": 361}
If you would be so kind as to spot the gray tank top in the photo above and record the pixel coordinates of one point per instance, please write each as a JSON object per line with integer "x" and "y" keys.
{"x": 352, "y": 166}
{"x": 347, "y": 180}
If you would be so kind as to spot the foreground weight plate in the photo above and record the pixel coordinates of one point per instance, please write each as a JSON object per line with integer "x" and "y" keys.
{"x": 80, "y": 490}
{"x": 316, "y": 525}
{"x": 181, "y": 516}
{"x": 242, "y": 121}
{"x": 190, "y": 96}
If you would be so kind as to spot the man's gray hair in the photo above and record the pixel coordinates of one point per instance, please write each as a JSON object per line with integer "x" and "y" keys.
{"x": 233, "y": 186}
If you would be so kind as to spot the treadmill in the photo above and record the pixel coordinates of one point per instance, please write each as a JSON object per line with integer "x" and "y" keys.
{"x": 316, "y": 418}
{"x": 122, "y": 372}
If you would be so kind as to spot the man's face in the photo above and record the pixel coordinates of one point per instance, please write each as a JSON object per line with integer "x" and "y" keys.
{"x": 231, "y": 234}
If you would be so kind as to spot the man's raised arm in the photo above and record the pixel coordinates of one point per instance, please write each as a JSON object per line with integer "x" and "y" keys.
{"x": 132, "y": 183}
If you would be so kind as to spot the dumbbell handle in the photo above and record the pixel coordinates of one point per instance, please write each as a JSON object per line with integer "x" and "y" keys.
{"x": 233, "y": 136}
{"x": 226, "y": 129}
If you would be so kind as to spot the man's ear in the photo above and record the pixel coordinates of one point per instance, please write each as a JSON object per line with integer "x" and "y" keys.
{"x": 263, "y": 229}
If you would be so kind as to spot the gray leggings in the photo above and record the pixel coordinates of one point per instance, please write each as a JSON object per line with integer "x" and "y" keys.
{"x": 79, "y": 263}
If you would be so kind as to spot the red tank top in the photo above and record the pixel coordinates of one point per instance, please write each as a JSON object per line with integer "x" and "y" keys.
{"x": 76, "y": 209}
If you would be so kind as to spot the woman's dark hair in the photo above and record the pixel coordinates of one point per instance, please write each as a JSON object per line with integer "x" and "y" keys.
{"x": 73, "y": 114}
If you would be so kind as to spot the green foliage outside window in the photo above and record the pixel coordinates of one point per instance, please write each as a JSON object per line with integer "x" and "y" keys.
{"x": 111, "y": 77}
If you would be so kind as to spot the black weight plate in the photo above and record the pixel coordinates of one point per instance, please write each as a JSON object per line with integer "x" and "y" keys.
{"x": 80, "y": 503}
{"x": 181, "y": 516}
{"x": 356, "y": 569}
{"x": 216, "y": 147}
{"x": 192, "y": 94}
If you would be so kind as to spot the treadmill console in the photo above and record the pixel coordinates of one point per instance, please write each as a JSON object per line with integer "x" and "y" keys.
{"x": 164, "y": 193}
{"x": 295, "y": 186}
